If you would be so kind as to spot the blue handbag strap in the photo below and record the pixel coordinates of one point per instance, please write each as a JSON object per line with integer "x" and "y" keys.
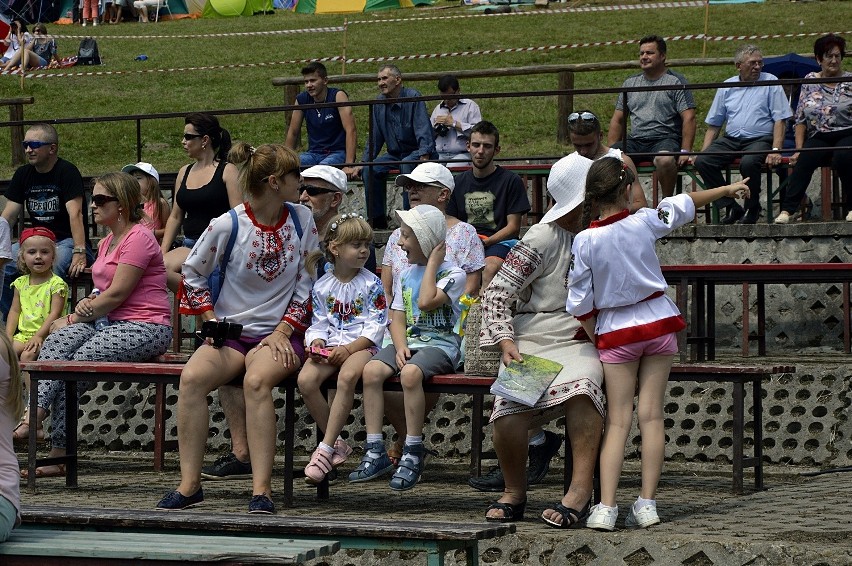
{"x": 295, "y": 218}
{"x": 229, "y": 247}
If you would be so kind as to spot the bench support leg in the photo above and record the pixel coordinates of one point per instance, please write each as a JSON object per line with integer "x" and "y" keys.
{"x": 738, "y": 432}
{"x": 159, "y": 426}
{"x": 289, "y": 438}
{"x": 757, "y": 404}
{"x": 476, "y": 435}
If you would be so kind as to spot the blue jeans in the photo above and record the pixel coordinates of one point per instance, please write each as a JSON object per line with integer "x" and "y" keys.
{"x": 311, "y": 158}
{"x": 375, "y": 183}
{"x": 64, "y": 251}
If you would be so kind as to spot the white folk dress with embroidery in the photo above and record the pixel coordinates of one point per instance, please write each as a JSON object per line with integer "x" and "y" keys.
{"x": 616, "y": 275}
{"x": 344, "y": 312}
{"x": 265, "y": 281}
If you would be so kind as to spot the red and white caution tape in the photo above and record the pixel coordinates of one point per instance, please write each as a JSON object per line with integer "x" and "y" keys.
{"x": 196, "y": 36}
{"x": 479, "y": 52}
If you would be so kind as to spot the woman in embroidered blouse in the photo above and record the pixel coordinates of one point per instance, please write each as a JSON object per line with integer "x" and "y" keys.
{"x": 823, "y": 120}
{"x": 131, "y": 276}
{"x": 267, "y": 291}
{"x": 532, "y": 285}
{"x": 205, "y": 189}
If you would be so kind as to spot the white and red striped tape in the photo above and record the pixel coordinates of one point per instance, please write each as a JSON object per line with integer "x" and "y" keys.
{"x": 354, "y": 60}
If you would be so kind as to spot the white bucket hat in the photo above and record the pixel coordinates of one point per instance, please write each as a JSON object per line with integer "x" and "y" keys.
{"x": 429, "y": 174}
{"x": 332, "y": 175}
{"x": 567, "y": 185}
{"x": 146, "y": 168}
{"x": 428, "y": 224}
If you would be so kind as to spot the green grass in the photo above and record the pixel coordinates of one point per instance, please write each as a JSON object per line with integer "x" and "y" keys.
{"x": 527, "y": 125}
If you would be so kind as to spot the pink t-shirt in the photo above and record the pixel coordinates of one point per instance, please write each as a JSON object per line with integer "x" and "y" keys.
{"x": 151, "y": 212}
{"x": 149, "y": 301}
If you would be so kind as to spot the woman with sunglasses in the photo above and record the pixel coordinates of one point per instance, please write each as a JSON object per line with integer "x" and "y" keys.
{"x": 266, "y": 290}
{"x": 206, "y": 189}
{"x": 41, "y": 52}
{"x": 133, "y": 298}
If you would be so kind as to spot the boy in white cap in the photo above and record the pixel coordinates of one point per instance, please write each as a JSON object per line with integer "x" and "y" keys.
{"x": 426, "y": 305}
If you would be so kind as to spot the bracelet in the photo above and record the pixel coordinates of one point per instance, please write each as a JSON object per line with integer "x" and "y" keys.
{"x": 79, "y": 250}
{"x": 685, "y": 151}
{"x": 284, "y": 333}
{"x": 776, "y": 149}
{"x": 347, "y": 349}
{"x": 69, "y": 319}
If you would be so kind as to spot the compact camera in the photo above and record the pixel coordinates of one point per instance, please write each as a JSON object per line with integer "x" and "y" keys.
{"x": 220, "y": 331}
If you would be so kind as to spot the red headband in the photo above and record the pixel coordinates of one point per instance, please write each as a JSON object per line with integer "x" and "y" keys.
{"x": 37, "y": 231}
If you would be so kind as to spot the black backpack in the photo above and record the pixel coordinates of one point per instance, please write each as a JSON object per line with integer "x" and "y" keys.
{"x": 88, "y": 53}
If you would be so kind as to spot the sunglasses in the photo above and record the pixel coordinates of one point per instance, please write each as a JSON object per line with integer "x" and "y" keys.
{"x": 588, "y": 116}
{"x": 34, "y": 144}
{"x": 313, "y": 190}
{"x": 417, "y": 187}
{"x": 189, "y": 137}
{"x": 100, "y": 199}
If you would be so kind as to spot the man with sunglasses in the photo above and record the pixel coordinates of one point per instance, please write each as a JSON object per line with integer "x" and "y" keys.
{"x": 51, "y": 189}
{"x": 322, "y": 191}
{"x": 661, "y": 121}
{"x": 586, "y": 135}
{"x": 755, "y": 119}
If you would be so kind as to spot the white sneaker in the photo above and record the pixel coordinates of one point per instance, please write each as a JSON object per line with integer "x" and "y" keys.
{"x": 84, "y": 23}
{"x": 602, "y": 518}
{"x": 95, "y": 23}
{"x": 849, "y": 216}
{"x": 783, "y": 218}
{"x": 644, "y": 517}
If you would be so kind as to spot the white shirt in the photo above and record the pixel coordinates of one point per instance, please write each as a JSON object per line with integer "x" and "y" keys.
{"x": 344, "y": 312}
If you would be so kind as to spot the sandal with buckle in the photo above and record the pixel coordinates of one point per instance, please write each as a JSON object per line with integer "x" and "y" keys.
{"x": 23, "y": 438}
{"x": 511, "y": 512}
{"x": 570, "y": 517}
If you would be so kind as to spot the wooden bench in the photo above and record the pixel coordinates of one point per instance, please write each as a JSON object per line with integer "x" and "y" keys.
{"x": 64, "y": 546}
{"x": 738, "y": 375}
{"x": 434, "y": 538}
{"x": 705, "y": 278}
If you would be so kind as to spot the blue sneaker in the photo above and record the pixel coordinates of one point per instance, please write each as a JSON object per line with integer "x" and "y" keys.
{"x": 410, "y": 467}
{"x": 176, "y": 501}
{"x": 261, "y": 505}
{"x": 375, "y": 463}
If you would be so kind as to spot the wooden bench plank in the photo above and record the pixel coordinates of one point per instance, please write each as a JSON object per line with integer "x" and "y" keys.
{"x": 152, "y": 546}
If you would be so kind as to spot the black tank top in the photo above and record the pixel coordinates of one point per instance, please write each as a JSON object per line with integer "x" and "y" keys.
{"x": 203, "y": 204}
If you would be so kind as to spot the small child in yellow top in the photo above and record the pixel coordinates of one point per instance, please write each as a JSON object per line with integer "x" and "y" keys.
{"x": 40, "y": 294}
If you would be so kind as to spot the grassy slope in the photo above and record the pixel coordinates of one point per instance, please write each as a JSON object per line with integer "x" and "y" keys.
{"x": 528, "y": 126}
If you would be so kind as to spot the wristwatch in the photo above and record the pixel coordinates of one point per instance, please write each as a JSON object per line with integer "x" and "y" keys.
{"x": 79, "y": 250}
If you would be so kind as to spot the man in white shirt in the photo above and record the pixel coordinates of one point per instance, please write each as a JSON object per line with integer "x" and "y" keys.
{"x": 452, "y": 121}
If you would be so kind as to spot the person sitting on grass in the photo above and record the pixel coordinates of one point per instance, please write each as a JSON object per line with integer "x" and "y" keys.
{"x": 424, "y": 312}
{"x": 349, "y": 320}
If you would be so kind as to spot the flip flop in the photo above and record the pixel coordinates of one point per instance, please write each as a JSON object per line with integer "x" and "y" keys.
{"x": 570, "y": 517}
{"x": 24, "y": 438}
{"x": 511, "y": 513}
{"x": 57, "y": 471}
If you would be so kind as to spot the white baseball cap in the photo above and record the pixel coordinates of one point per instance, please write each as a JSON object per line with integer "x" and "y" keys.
{"x": 332, "y": 175}
{"x": 429, "y": 174}
{"x": 146, "y": 168}
{"x": 567, "y": 185}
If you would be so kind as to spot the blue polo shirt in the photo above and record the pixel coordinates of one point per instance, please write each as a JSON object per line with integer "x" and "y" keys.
{"x": 749, "y": 112}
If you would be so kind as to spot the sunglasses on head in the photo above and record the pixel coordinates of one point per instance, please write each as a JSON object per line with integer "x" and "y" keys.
{"x": 188, "y": 136}
{"x": 100, "y": 199}
{"x": 588, "y": 116}
{"x": 34, "y": 144}
{"x": 313, "y": 190}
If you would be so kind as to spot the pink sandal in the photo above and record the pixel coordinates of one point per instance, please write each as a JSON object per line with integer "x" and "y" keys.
{"x": 341, "y": 452}
{"x": 318, "y": 467}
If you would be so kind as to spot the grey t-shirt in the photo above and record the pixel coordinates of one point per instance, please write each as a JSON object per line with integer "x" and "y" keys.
{"x": 655, "y": 115}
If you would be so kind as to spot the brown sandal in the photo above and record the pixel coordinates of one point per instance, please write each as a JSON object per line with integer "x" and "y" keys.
{"x": 23, "y": 438}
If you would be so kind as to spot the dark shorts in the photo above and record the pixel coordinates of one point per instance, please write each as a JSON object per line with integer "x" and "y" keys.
{"x": 641, "y": 151}
{"x": 430, "y": 360}
{"x": 500, "y": 249}
{"x": 243, "y": 345}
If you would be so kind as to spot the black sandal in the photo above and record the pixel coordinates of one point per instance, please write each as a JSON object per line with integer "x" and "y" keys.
{"x": 570, "y": 517}
{"x": 511, "y": 512}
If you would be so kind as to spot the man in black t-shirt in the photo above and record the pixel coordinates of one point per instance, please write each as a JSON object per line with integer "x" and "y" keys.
{"x": 490, "y": 198}
{"x": 51, "y": 189}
